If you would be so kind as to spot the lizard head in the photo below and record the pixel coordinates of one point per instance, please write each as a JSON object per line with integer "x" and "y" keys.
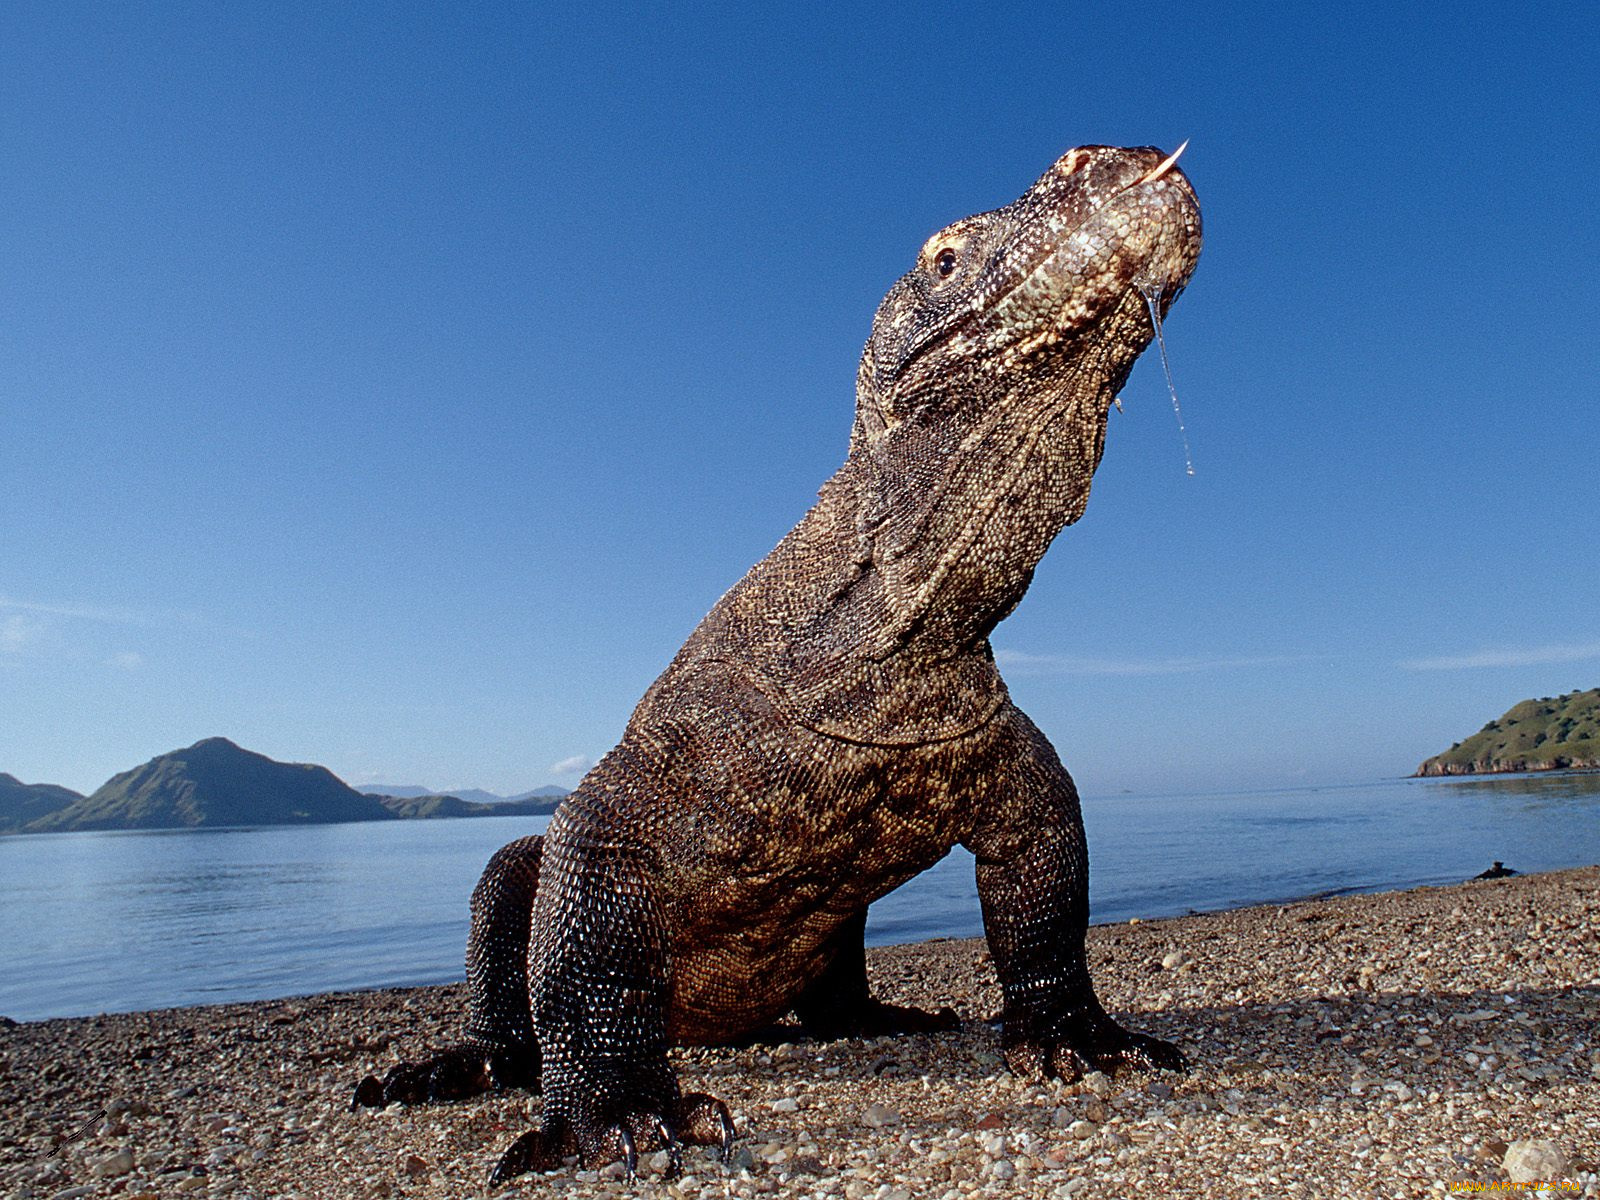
{"x": 983, "y": 392}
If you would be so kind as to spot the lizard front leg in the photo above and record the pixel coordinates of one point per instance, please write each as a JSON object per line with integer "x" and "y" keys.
{"x": 1033, "y": 884}
{"x": 599, "y": 984}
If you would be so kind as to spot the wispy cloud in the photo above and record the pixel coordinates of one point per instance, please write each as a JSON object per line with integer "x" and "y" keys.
{"x": 18, "y": 631}
{"x": 98, "y": 613}
{"x": 63, "y": 630}
{"x": 1065, "y": 664}
{"x": 1526, "y": 656}
{"x": 576, "y": 765}
{"x": 77, "y": 612}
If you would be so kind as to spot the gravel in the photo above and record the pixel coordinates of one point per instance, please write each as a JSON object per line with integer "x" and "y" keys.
{"x": 1384, "y": 1045}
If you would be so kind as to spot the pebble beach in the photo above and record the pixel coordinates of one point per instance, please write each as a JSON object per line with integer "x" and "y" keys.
{"x": 1441, "y": 1041}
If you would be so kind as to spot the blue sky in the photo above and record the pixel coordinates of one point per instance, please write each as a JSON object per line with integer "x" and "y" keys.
{"x": 394, "y": 387}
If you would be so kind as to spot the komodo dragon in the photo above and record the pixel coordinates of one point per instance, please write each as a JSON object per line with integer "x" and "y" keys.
{"x": 836, "y": 723}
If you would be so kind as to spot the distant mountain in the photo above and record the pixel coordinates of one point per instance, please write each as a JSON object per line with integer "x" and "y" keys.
{"x": 1548, "y": 734}
{"x": 475, "y": 795}
{"x": 21, "y": 802}
{"x": 215, "y": 782}
{"x": 410, "y": 791}
{"x": 429, "y": 807}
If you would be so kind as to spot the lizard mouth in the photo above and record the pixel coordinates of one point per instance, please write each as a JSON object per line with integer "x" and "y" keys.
{"x": 1132, "y": 223}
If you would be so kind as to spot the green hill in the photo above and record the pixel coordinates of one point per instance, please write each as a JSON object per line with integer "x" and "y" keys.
{"x": 21, "y": 802}
{"x": 1548, "y": 734}
{"x": 215, "y": 782}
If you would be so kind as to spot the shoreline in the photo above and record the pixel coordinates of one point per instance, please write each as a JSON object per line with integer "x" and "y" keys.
{"x": 1581, "y": 768}
{"x": 1355, "y": 889}
{"x": 1391, "y": 1041}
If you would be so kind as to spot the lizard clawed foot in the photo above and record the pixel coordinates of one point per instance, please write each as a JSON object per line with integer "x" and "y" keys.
{"x": 876, "y": 1019}
{"x": 698, "y": 1120}
{"x": 1106, "y": 1047}
{"x": 452, "y": 1074}
{"x": 895, "y": 1018}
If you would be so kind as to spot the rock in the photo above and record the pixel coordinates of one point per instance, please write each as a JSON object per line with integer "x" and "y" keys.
{"x": 1176, "y": 959}
{"x": 1082, "y": 1130}
{"x": 1534, "y": 1161}
{"x": 741, "y": 1159}
{"x": 786, "y": 1105}
{"x": 992, "y": 1144}
{"x": 415, "y": 1165}
{"x": 1097, "y": 1082}
{"x": 1061, "y": 1118}
{"x": 118, "y": 1163}
{"x": 1002, "y": 1169}
{"x": 877, "y": 1116}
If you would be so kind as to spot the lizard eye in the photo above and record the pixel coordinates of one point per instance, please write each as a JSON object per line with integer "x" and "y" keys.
{"x": 945, "y": 263}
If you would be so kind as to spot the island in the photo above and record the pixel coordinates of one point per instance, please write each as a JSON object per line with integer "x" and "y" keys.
{"x": 216, "y": 783}
{"x": 1552, "y": 733}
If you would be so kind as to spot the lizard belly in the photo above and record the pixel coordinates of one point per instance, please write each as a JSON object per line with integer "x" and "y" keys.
{"x": 764, "y": 927}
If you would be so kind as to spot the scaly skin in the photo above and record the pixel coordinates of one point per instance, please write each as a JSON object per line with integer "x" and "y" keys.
{"x": 836, "y": 723}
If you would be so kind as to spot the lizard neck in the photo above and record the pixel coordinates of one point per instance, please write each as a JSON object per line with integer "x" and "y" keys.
{"x": 814, "y": 625}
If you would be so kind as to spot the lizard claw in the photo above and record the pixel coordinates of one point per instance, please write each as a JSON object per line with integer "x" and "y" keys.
{"x": 622, "y": 1139}
{"x": 368, "y": 1094}
{"x": 533, "y": 1151}
{"x": 705, "y": 1121}
{"x": 674, "y": 1149}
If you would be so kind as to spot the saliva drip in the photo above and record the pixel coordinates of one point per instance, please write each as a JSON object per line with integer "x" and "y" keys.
{"x": 1151, "y": 298}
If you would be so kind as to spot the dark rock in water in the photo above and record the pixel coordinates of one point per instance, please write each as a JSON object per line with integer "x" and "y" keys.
{"x": 1498, "y": 871}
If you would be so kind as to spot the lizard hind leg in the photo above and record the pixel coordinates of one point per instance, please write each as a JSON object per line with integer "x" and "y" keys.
{"x": 837, "y": 1003}
{"x": 499, "y": 1049}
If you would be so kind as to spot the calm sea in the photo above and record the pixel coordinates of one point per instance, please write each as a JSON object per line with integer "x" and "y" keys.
{"x": 107, "y": 922}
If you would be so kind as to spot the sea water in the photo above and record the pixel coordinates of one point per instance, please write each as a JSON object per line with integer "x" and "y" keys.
{"x": 109, "y": 922}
